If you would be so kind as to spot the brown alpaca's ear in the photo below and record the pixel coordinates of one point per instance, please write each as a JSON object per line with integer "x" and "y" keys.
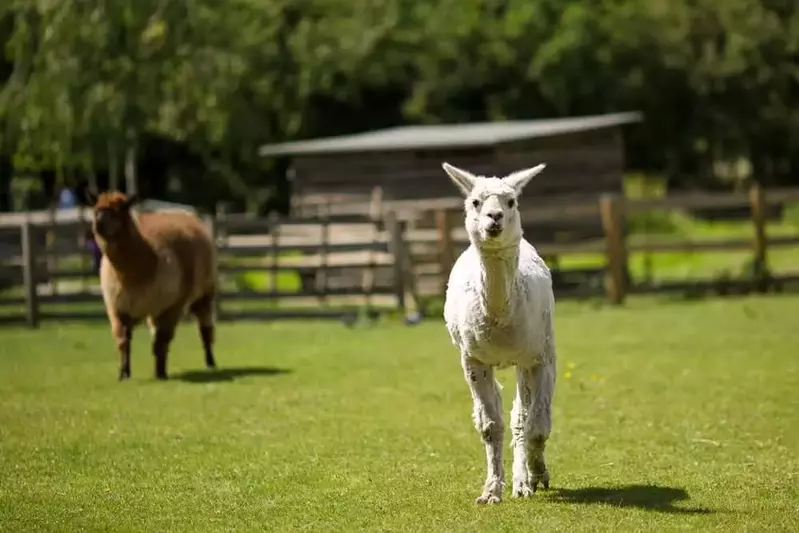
{"x": 132, "y": 200}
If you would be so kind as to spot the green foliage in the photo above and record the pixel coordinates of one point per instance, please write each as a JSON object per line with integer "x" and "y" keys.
{"x": 716, "y": 80}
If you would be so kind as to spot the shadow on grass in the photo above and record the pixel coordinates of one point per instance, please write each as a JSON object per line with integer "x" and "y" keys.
{"x": 648, "y": 497}
{"x": 226, "y": 374}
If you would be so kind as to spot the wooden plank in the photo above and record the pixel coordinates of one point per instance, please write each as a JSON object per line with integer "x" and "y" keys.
{"x": 266, "y": 248}
{"x": 283, "y": 314}
{"x": 71, "y": 273}
{"x": 310, "y": 200}
{"x": 353, "y": 290}
{"x": 427, "y": 250}
{"x": 76, "y": 314}
{"x": 689, "y": 201}
{"x": 247, "y": 223}
{"x": 706, "y": 284}
{"x": 568, "y": 206}
{"x": 70, "y": 298}
{"x": 713, "y": 285}
{"x": 40, "y": 218}
{"x": 691, "y": 246}
{"x": 331, "y": 219}
{"x": 575, "y": 248}
{"x": 783, "y": 241}
{"x": 529, "y": 213}
{"x": 422, "y": 183}
{"x": 307, "y": 269}
{"x": 13, "y": 319}
{"x": 782, "y": 195}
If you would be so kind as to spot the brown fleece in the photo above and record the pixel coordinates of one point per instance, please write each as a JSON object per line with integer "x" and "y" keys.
{"x": 155, "y": 267}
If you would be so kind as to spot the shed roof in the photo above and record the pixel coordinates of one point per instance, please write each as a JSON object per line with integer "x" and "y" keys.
{"x": 449, "y": 135}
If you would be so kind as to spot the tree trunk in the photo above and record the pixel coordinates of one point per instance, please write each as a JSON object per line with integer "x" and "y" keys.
{"x": 130, "y": 164}
{"x": 113, "y": 168}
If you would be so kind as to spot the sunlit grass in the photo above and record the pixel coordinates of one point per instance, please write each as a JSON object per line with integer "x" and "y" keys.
{"x": 667, "y": 416}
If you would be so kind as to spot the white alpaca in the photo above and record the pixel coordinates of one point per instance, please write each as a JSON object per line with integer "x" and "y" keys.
{"x": 499, "y": 311}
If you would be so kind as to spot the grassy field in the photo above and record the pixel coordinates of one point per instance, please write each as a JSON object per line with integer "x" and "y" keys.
{"x": 667, "y": 416}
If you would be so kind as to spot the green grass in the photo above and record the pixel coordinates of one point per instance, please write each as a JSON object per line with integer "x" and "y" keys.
{"x": 260, "y": 278}
{"x": 667, "y": 416}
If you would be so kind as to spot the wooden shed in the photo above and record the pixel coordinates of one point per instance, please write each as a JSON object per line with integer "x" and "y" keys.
{"x": 584, "y": 156}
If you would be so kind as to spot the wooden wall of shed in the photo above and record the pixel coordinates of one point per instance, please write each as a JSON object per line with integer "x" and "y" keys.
{"x": 582, "y": 163}
{"x": 402, "y": 174}
{"x": 578, "y": 165}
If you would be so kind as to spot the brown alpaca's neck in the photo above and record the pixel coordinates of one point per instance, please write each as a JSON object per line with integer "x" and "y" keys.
{"x": 131, "y": 255}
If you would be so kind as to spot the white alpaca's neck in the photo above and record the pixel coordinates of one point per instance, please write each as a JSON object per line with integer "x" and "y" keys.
{"x": 498, "y": 274}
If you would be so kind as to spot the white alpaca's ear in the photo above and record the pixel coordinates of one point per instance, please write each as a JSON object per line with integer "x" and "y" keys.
{"x": 520, "y": 178}
{"x": 463, "y": 179}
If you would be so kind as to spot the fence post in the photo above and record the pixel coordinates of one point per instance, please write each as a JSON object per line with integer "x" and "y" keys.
{"x": 210, "y": 220}
{"x": 446, "y": 253}
{"x": 396, "y": 244}
{"x": 368, "y": 273}
{"x": 757, "y": 203}
{"x": 85, "y": 258}
{"x": 323, "y": 272}
{"x": 29, "y": 274}
{"x": 611, "y": 209}
{"x": 221, "y": 233}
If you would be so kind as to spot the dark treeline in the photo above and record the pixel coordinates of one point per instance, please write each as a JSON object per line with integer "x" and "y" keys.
{"x": 191, "y": 88}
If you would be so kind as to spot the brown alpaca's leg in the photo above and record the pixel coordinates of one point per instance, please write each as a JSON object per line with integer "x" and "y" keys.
{"x": 164, "y": 326}
{"x": 203, "y": 309}
{"x": 122, "y": 329}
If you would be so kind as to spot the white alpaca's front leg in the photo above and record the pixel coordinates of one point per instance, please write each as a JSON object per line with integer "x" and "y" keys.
{"x": 531, "y": 424}
{"x": 487, "y": 415}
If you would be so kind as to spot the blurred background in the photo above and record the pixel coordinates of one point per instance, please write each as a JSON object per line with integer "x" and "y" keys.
{"x": 229, "y": 107}
{"x": 310, "y": 134}
{"x": 189, "y": 90}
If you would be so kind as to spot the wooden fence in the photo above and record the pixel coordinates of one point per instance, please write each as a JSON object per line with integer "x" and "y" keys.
{"x": 316, "y": 266}
{"x": 340, "y": 257}
{"x": 617, "y": 245}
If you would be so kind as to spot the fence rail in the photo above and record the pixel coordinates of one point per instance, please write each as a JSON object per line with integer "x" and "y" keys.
{"x": 377, "y": 253}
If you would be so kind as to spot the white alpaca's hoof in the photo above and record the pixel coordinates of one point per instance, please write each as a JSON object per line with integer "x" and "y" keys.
{"x": 492, "y": 493}
{"x": 488, "y": 498}
{"x": 522, "y": 489}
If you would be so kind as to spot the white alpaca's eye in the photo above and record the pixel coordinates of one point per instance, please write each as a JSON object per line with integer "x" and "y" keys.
{"x": 476, "y": 203}
{"x": 511, "y": 202}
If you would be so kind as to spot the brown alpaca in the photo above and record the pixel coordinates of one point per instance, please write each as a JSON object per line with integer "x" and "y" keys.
{"x": 155, "y": 266}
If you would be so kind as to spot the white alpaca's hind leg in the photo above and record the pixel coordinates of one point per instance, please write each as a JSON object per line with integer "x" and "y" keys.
{"x": 539, "y": 424}
{"x": 522, "y": 477}
{"x": 487, "y": 415}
